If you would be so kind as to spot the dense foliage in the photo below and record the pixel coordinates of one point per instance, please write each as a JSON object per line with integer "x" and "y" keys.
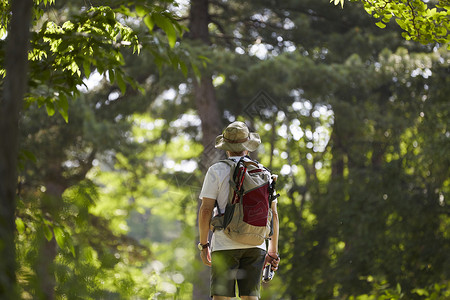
{"x": 422, "y": 21}
{"x": 353, "y": 118}
{"x": 68, "y": 44}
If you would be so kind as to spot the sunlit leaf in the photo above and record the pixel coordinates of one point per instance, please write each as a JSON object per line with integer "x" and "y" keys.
{"x": 63, "y": 105}
{"x": 50, "y": 107}
{"x": 20, "y": 225}
{"x": 336, "y": 2}
{"x": 166, "y": 24}
{"x": 380, "y": 24}
{"x": 59, "y": 236}
{"x": 141, "y": 10}
{"x": 149, "y": 22}
{"x": 47, "y": 232}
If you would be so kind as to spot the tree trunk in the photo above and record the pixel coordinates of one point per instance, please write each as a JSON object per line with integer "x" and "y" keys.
{"x": 206, "y": 103}
{"x": 44, "y": 266}
{"x": 199, "y": 20}
{"x": 208, "y": 110}
{"x": 16, "y": 59}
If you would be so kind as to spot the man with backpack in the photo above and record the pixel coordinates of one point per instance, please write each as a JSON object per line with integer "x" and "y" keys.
{"x": 239, "y": 205}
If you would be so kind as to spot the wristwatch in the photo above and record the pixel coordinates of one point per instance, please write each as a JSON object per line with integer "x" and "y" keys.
{"x": 201, "y": 246}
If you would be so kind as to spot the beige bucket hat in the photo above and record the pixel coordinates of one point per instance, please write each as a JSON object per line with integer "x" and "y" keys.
{"x": 236, "y": 138}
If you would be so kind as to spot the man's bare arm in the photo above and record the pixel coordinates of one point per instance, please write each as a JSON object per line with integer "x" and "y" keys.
{"x": 273, "y": 242}
{"x": 204, "y": 219}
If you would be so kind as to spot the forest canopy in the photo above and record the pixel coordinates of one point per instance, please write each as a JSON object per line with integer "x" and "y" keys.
{"x": 115, "y": 126}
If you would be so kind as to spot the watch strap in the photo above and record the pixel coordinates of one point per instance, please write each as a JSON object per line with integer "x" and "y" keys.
{"x": 203, "y": 246}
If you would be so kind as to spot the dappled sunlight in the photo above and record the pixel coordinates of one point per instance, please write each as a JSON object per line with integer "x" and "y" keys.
{"x": 91, "y": 83}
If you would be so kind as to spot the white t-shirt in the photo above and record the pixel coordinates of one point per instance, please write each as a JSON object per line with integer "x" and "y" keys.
{"x": 216, "y": 186}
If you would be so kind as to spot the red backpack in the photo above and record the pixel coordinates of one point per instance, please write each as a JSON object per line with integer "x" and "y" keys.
{"x": 248, "y": 214}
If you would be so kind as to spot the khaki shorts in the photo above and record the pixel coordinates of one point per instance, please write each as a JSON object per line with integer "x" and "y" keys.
{"x": 243, "y": 266}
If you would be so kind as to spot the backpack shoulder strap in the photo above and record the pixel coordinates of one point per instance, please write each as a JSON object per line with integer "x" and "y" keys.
{"x": 233, "y": 163}
{"x": 236, "y": 177}
{"x": 229, "y": 162}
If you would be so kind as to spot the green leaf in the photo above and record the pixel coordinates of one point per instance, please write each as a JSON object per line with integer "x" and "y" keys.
{"x": 47, "y": 232}
{"x": 29, "y": 155}
{"x": 141, "y": 10}
{"x": 442, "y": 31}
{"x": 149, "y": 22}
{"x": 173, "y": 60}
{"x": 63, "y": 239}
{"x": 431, "y": 12}
{"x": 197, "y": 73}
{"x": 180, "y": 28}
{"x": 111, "y": 76}
{"x": 70, "y": 246}
{"x": 121, "y": 82}
{"x": 400, "y": 22}
{"x": 50, "y": 108}
{"x": 141, "y": 90}
{"x": 63, "y": 105}
{"x": 421, "y": 292}
{"x": 20, "y": 225}
{"x": 159, "y": 61}
{"x": 59, "y": 236}
{"x": 406, "y": 36}
{"x": 387, "y": 18}
{"x": 336, "y": 2}
{"x": 165, "y": 24}
{"x": 124, "y": 10}
{"x": 87, "y": 68}
{"x": 183, "y": 68}
{"x": 399, "y": 288}
{"x": 380, "y": 24}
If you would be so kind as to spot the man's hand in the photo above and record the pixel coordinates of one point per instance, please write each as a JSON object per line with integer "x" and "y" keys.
{"x": 206, "y": 256}
{"x": 273, "y": 259}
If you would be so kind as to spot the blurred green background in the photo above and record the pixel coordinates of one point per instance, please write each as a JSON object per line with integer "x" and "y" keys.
{"x": 353, "y": 118}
